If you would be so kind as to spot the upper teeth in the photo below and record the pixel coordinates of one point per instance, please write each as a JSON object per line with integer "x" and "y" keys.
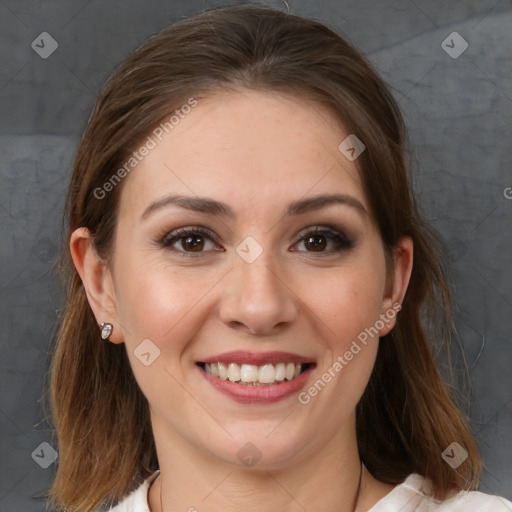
{"x": 266, "y": 374}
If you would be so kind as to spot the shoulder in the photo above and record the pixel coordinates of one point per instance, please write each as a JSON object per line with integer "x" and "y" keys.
{"x": 477, "y": 501}
{"x": 137, "y": 501}
{"x": 414, "y": 495}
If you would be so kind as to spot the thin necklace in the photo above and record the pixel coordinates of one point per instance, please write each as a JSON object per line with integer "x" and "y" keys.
{"x": 356, "y": 498}
{"x": 358, "y": 492}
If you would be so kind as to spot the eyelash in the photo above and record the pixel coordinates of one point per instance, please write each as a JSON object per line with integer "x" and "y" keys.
{"x": 341, "y": 241}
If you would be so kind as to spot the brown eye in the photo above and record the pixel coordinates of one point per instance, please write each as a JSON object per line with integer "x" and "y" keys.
{"x": 325, "y": 241}
{"x": 190, "y": 241}
{"x": 315, "y": 243}
{"x": 194, "y": 243}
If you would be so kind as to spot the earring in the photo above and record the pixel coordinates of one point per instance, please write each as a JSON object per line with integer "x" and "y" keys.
{"x": 106, "y": 330}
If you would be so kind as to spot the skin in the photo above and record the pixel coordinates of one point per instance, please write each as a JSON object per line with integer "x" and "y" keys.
{"x": 257, "y": 152}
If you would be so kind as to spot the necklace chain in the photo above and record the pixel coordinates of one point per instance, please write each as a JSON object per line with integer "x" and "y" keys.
{"x": 356, "y": 497}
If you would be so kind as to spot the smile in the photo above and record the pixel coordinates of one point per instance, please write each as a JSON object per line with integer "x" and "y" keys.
{"x": 249, "y": 377}
{"x": 253, "y": 375}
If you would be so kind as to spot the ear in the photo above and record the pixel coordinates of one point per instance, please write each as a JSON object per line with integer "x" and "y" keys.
{"x": 97, "y": 280}
{"x": 397, "y": 283}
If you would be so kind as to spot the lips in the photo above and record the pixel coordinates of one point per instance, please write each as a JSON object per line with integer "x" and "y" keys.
{"x": 259, "y": 359}
{"x": 249, "y": 377}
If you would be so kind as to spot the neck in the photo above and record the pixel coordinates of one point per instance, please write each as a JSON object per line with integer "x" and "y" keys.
{"x": 193, "y": 480}
{"x": 239, "y": 491}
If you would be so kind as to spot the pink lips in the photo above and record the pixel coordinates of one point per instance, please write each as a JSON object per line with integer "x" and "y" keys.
{"x": 258, "y": 394}
{"x": 259, "y": 359}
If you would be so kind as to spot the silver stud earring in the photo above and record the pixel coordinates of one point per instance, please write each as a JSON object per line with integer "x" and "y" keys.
{"x": 106, "y": 330}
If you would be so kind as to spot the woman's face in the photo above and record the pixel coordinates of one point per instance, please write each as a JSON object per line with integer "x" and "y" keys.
{"x": 255, "y": 175}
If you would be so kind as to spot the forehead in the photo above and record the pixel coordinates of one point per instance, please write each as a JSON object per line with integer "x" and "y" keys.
{"x": 245, "y": 147}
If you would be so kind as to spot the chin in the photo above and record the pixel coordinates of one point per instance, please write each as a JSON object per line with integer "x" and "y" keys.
{"x": 262, "y": 447}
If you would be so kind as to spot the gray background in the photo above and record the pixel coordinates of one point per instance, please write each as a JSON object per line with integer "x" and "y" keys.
{"x": 458, "y": 112}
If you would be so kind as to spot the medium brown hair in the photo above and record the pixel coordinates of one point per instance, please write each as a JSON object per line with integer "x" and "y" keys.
{"x": 406, "y": 416}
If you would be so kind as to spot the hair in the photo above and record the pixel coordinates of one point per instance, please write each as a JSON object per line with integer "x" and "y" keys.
{"x": 407, "y": 416}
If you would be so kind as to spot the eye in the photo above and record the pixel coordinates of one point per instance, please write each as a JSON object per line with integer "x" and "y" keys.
{"x": 193, "y": 241}
{"x": 317, "y": 240}
{"x": 189, "y": 240}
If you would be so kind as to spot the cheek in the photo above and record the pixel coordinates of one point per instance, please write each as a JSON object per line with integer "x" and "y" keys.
{"x": 161, "y": 303}
{"x": 349, "y": 301}
{"x": 349, "y": 307}
{"x": 160, "y": 311}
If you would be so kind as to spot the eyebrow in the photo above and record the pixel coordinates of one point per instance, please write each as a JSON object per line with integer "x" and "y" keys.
{"x": 219, "y": 209}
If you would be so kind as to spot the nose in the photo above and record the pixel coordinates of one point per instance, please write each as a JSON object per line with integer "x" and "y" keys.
{"x": 258, "y": 298}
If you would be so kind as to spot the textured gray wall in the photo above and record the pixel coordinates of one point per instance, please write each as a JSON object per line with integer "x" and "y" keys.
{"x": 458, "y": 111}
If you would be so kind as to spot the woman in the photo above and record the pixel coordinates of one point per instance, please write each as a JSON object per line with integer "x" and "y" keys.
{"x": 250, "y": 286}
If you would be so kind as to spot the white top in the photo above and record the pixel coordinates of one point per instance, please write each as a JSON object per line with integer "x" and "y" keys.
{"x": 411, "y": 495}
